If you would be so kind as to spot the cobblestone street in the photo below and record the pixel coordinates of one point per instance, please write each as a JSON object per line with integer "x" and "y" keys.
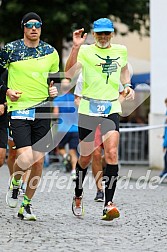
{"x": 141, "y": 226}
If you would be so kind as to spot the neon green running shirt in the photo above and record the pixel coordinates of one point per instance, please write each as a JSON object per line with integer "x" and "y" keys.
{"x": 101, "y": 69}
{"x": 28, "y": 70}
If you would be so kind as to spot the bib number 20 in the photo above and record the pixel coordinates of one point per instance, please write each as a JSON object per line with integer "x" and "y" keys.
{"x": 100, "y": 108}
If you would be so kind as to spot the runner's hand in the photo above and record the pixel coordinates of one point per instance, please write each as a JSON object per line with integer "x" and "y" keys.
{"x": 2, "y": 109}
{"x": 78, "y": 39}
{"x": 129, "y": 93}
{"x": 13, "y": 94}
{"x": 52, "y": 90}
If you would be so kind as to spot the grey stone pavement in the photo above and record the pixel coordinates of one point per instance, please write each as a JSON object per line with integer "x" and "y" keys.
{"x": 140, "y": 197}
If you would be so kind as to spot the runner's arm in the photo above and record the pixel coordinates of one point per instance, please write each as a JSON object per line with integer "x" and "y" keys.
{"x": 77, "y": 100}
{"x": 125, "y": 75}
{"x": 71, "y": 64}
{"x": 129, "y": 93}
{"x": 56, "y": 112}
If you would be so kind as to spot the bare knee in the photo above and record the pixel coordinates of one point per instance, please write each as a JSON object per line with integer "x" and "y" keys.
{"x": 111, "y": 156}
{"x": 24, "y": 161}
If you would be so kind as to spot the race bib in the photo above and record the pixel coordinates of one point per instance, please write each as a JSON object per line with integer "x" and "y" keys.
{"x": 27, "y": 114}
{"x": 99, "y": 108}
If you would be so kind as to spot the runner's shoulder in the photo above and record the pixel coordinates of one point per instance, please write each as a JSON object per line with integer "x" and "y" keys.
{"x": 47, "y": 47}
{"x": 119, "y": 47}
{"x": 13, "y": 44}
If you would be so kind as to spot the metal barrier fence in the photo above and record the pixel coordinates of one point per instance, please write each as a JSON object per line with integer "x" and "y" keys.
{"x": 133, "y": 146}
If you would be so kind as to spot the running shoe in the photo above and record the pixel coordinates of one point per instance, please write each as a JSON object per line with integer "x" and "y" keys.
{"x": 25, "y": 213}
{"x": 12, "y": 196}
{"x": 67, "y": 162}
{"x": 99, "y": 196}
{"x": 77, "y": 206}
{"x": 110, "y": 212}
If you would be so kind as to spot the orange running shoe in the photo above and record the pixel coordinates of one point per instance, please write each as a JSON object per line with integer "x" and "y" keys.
{"x": 110, "y": 212}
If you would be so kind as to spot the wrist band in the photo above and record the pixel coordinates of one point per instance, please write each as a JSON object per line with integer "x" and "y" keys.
{"x": 127, "y": 85}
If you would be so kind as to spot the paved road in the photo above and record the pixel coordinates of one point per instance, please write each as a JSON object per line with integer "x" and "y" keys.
{"x": 141, "y": 227}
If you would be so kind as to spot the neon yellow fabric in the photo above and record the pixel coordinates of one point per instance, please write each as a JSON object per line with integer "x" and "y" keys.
{"x": 26, "y": 200}
{"x": 15, "y": 182}
{"x": 101, "y": 69}
{"x": 33, "y": 73}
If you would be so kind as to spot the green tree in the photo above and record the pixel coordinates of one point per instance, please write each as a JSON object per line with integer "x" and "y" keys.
{"x": 61, "y": 18}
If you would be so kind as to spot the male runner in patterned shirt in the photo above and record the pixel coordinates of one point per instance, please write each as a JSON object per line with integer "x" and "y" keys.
{"x": 29, "y": 60}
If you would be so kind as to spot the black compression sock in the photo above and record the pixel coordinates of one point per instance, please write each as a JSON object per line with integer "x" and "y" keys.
{"x": 80, "y": 175}
{"x": 111, "y": 175}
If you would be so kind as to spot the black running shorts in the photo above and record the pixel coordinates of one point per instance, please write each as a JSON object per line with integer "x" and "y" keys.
{"x": 87, "y": 125}
{"x": 32, "y": 133}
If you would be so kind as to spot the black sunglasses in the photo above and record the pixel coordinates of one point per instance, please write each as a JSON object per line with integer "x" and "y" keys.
{"x": 30, "y": 25}
{"x": 105, "y": 32}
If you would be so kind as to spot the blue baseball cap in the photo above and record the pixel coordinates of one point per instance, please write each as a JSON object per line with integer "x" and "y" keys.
{"x": 103, "y": 24}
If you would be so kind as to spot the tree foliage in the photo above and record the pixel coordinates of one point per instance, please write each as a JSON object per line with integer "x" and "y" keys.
{"x": 61, "y": 18}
